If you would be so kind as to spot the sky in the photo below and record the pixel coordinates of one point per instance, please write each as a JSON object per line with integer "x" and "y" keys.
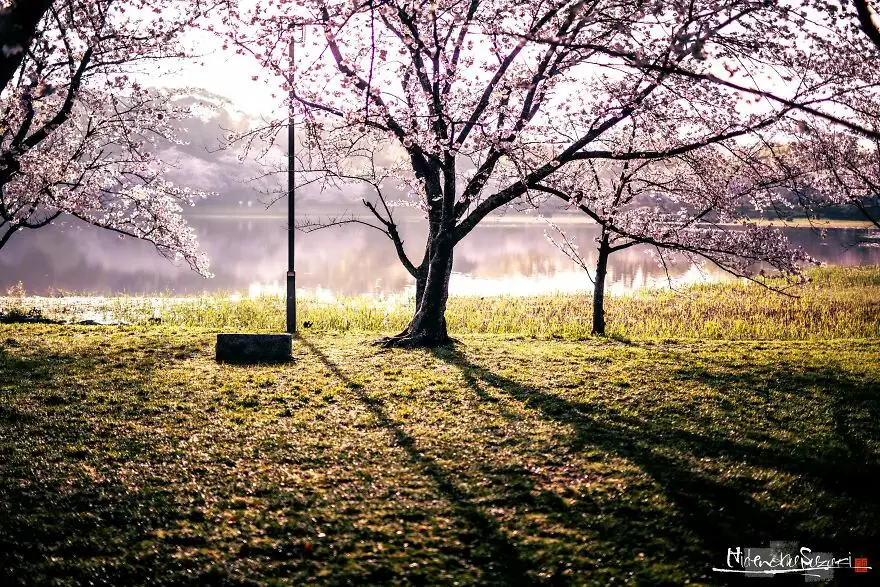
{"x": 223, "y": 73}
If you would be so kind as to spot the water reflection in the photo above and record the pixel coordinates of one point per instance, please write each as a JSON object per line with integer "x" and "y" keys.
{"x": 249, "y": 256}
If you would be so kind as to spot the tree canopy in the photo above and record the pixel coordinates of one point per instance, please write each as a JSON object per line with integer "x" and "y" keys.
{"x": 78, "y": 129}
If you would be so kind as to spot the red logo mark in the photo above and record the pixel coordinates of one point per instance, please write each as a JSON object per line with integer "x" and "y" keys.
{"x": 861, "y": 565}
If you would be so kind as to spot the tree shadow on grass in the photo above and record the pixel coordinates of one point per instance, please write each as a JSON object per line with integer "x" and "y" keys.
{"x": 65, "y": 517}
{"x": 846, "y": 465}
{"x": 716, "y": 509}
{"x": 854, "y": 404}
{"x": 497, "y": 556}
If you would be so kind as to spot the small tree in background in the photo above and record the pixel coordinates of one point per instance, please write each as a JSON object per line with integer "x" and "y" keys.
{"x": 693, "y": 205}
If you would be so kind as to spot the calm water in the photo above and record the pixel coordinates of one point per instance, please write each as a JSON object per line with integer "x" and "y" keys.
{"x": 249, "y": 256}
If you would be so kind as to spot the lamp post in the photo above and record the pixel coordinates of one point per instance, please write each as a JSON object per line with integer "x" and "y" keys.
{"x": 291, "y": 202}
{"x": 260, "y": 348}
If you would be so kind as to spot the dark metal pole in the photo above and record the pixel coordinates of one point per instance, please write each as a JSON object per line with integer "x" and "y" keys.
{"x": 291, "y": 208}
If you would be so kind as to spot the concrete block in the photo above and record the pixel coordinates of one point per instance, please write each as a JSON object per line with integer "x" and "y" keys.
{"x": 253, "y": 348}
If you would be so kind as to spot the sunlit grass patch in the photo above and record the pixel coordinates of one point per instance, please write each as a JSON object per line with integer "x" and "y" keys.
{"x": 837, "y": 302}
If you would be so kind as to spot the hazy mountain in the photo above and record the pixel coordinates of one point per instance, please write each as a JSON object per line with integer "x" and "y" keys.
{"x": 244, "y": 184}
{"x": 241, "y": 183}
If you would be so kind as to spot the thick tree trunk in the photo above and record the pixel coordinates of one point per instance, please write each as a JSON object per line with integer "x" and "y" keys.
{"x": 4, "y": 237}
{"x": 599, "y": 288}
{"x": 428, "y": 326}
{"x": 18, "y": 25}
{"x": 420, "y": 287}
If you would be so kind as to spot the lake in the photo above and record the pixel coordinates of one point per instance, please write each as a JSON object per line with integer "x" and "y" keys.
{"x": 508, "y": 255}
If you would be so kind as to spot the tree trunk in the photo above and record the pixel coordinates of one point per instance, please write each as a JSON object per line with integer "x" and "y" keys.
{"x": 421, "y": 279}
{"x": 428, "y": 326}
{"x": 18, "y": 25}
{"x": 599, "y": 288}
{"x": 4, "y": 238}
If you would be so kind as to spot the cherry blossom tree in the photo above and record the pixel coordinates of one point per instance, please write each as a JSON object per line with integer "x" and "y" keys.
{"x": 694, "y": 205}
{"x": 840, "y": 126}
{"x": 834, "y": 159}
{"x": 102, "y": 167}
{"x": 77, "y": 131}
{"x": 486, "y": 99}
{"x": 816, "y": 41}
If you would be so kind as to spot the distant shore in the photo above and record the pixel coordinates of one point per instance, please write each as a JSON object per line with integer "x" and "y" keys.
{"x": 510, "y": 218}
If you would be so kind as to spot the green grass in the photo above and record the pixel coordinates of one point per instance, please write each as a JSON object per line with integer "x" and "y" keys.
{"x": 527, "y": 454}
{"x": 836, "y": 303}
{"x": 127, "y": 456}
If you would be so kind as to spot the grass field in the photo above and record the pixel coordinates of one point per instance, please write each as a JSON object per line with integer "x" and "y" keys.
{"x": 129, "y": 456}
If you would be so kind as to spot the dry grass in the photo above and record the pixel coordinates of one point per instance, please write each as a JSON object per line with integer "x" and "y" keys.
{"x": 837, "y": 303}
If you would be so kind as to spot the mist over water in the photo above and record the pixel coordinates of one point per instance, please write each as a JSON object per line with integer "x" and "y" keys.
{"x": 249, "y": 256}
